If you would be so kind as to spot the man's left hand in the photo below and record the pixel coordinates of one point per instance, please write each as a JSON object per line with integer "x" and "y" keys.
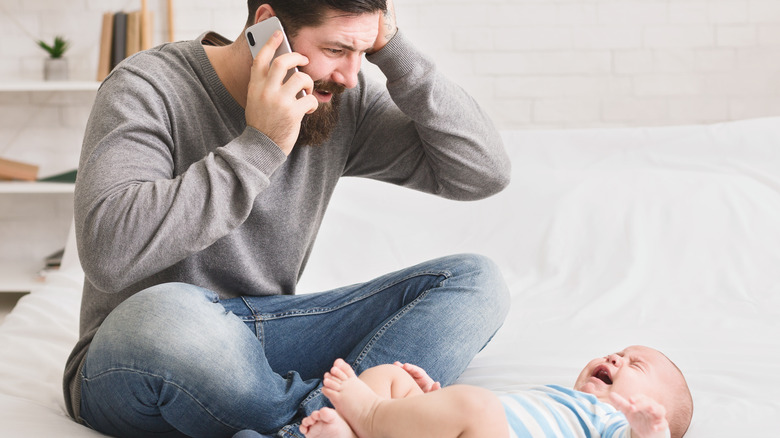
{"x": 387, "y": 28}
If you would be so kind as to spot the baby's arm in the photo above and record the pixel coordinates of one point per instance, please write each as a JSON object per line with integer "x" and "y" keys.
{"x": 646, "y": 416}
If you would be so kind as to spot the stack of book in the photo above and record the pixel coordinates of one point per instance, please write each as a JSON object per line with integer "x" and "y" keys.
{"x": 12, "y": 170}
{"x": 52, "y": 263}
{"x": 123, "y": 34}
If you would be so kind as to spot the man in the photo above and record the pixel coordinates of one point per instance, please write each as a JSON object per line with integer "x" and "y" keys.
{"x": 203, "y": 180}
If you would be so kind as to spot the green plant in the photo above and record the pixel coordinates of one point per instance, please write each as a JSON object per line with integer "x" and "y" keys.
{"x": 57, "y": 49}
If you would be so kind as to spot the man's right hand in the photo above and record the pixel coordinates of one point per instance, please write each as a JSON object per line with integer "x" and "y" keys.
{"x": 273, "y": 107}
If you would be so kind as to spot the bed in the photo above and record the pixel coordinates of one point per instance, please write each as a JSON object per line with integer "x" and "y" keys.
{"x": 666, "y": 236}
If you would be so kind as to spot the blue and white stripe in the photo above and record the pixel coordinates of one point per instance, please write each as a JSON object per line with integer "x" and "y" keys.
{"x": 554, "y": 412}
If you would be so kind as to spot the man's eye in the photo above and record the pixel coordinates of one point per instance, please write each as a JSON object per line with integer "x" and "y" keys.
{"x": 334, "y": 51}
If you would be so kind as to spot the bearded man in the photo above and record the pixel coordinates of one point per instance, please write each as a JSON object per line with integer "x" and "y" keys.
{"x": 203, "y": 180}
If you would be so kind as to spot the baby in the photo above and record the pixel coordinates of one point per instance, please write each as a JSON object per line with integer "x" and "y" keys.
{"x": 637, "y": 393}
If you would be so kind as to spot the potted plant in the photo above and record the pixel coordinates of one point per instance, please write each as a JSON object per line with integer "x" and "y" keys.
{"x": 56, "y": 66}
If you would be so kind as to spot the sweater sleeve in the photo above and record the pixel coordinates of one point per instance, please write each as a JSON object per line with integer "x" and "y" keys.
{"x": 425, "y": 132}
{"x": 137, "y": 212}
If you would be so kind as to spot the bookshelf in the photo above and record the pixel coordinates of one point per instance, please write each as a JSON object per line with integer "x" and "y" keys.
{"x": 42, "y": 86}
{"x": 35, "y": 221}
{"x": 18, "y": 277}
{"x": 35, "y": 216}
{"x": 35, "y": 188}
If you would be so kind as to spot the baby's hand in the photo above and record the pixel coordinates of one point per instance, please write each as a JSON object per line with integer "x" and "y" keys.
{"x": 426, "y": 383}
{"x": 646, "y": 416}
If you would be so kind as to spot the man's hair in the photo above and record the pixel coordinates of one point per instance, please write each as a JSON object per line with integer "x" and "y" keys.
{"x": 295, "y": 14}
{"x": 682, "y": 413}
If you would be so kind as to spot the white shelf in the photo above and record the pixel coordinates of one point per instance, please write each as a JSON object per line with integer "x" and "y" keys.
{"x": 19, "y": 277}
{"x": 30, "y": 187}
{"x": 22, "y": 273}
{"x": 49, "y": 86}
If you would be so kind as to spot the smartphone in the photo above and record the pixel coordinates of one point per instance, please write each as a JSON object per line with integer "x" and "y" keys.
{"x": 258, "y": 34}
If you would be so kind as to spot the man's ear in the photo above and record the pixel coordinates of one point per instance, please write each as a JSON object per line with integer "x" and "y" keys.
{"x": 264, "y": 12}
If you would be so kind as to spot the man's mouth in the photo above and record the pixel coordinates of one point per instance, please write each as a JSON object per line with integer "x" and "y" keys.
{"x": 323, "y": 96}
{"x": 602, "y": 373}
{"x": 325, "y": 90}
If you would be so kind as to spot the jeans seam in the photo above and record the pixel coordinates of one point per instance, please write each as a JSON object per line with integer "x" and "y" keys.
{"x": 294, "y": 313}
{"x": 256, "y": 320}
{"x": 284, "y": 433}
{"x": 374, "y": 339}
{"x": 311, "y": 395}
{"x": 166, "y": 381}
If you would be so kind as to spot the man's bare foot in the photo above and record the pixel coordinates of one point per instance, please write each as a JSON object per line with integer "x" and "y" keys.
{"x": 420, "y": 376}
{"x": 352, "y": 398}
{"x": 325, "y": 423}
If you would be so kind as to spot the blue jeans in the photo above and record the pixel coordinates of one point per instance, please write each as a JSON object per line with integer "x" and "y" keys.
{"x": 175, "y": 360}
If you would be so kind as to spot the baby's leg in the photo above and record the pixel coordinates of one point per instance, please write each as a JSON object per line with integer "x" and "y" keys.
{"x": 390, "y": 381}
{"x": 420, "y": 376}
{"x": 456, "y": 411}
{"x": 387, "y": 381}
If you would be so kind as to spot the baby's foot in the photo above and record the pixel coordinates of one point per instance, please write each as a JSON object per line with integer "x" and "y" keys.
{"x": 352, "y": 398}
{"x": 325, "y": 423}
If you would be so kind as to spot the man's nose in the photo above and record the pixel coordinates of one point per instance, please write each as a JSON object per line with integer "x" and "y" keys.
{"x": 347, "y": 73}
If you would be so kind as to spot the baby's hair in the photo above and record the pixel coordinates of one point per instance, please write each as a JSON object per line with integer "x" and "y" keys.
{"x": 681, "y": 413}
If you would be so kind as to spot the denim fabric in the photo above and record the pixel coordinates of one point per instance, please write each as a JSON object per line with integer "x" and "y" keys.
{"x": 249, "y": 434}
{"x": 175, "y": 360}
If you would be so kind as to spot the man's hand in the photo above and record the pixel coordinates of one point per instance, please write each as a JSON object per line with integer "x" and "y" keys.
{"x": 646, "y": 416}
{"x": 272, "y": 105}
{"x": 387, "y": 28}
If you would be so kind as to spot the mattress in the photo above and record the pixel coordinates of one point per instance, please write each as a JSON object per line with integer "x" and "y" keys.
{"x": 661, "y": 236}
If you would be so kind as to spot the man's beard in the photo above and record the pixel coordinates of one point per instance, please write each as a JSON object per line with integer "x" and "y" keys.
{"x": 317, "y": 126}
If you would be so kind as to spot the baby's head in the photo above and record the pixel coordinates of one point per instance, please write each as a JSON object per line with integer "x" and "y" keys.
{"x": 641, "y": 370}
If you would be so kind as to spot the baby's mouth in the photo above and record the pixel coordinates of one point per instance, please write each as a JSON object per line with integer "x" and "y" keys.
{"x": 602, "y": 373}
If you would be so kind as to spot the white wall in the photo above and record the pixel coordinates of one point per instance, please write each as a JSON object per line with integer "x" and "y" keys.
{"x": 531, "y": 63}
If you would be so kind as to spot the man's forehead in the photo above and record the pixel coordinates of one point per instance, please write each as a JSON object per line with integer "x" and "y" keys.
{"x": 349, "y": 31}
{"x": 331, "y": 14}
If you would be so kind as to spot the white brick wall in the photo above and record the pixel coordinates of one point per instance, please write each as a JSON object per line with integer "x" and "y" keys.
{"x": 531, "y": 63}
{"x": 583, "y": 63}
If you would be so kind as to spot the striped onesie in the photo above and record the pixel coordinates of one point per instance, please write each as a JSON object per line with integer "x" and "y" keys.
{"x": 554, "y": 412}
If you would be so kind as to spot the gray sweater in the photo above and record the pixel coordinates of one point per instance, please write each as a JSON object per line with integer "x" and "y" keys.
{"x": 173, "y": 186}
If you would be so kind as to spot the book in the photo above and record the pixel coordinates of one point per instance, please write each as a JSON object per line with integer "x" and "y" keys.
{"x": 16, "y": 170}
{"x": 52, "y": 263}
{"x": 133, "y": 37}
{"x": 123, "y": 34}
{"x": 54, "y": 260}
{"x": 119, "y": 45}
{"x": 64, "y": 177}
{"x": 147, "y": 29}
{"x": 106, "y": 42}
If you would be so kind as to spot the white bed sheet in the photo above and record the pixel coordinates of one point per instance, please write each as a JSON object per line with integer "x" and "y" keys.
{"x": 668, "y": 237}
